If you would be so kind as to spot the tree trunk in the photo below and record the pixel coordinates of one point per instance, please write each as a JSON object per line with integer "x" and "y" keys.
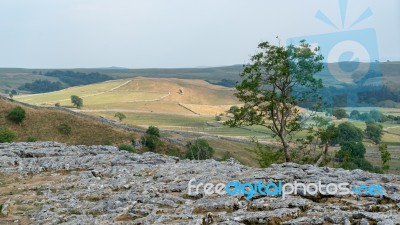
{"x": 286, "y": 150}
{"x": 322, "y": 158}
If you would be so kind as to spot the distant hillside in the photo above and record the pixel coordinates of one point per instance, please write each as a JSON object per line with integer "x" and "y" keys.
{"x": 162, "y": 95}
{"x": 43, "y": 125}
{"x": 332, "y": 76}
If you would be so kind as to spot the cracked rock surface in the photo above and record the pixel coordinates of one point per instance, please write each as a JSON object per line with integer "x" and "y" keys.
{"x": 51, "y": 183}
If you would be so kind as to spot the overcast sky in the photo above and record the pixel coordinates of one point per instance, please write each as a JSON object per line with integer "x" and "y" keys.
{"x": 172, "y": 33}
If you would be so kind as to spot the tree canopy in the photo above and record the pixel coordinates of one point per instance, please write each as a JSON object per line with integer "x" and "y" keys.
{"x": 273, "y": 85}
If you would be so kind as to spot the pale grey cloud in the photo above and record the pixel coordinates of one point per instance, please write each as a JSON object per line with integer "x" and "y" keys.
{"x": 169, "y": 33}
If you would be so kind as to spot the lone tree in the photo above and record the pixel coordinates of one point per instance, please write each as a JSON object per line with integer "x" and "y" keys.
{"x": 120, "y": 116}
{"x": 276, "y": 81}
{"x": 76, "y": 101}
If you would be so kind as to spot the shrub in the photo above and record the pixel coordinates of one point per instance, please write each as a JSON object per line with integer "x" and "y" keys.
{"x": 154, "y": 131}
{"x": 174, "y": 152}
{"x": 227, "y": 155}
{"x": 234, "y": 109}
{"x": 17, "y": 115}
{"x": 65, "y": 129}
{"x": 199, "y": 150}
{"x": 374, "y": 132}
{"x": 151, "y": 142}
{"x": 218, "y": 118}
{"x": 267, "y": 155}
{"x": 349, "y": 132}
{"x": 127, "y": 148}
{"x": 376, "y": 115}
{"x": 385, "y": 157}
{"x": 31, "y": 139}
{"x": 6, "y": 135}
{"x": 339, "y": 113}
{"x": 355, "y": 115}
{"x": 352, "y": 150}
{"x": 57, "y": 104}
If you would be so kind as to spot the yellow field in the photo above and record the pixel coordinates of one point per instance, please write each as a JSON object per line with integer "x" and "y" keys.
{"x": 166, "y": 95}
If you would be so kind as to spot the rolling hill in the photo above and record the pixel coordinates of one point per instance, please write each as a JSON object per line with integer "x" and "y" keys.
{"x": 43, "y": 125}
{"x": 158, "y": 95}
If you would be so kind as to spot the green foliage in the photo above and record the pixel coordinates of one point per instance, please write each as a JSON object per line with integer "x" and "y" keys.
{"x": 234, "y": 109}
{"x": 57, "y": 104}
{"x": 120, "y": 116}
{"x": 376, "y": 115}
{"x": 349, "y": 132}
{"x": 374, "y": 131}
{"x": 366, "y": 117}
{"x": 73, "y": 78}
{"x": 351, "y": 149}
{"x": 267, "y": 155}
{"x": 76, "y": 101}
{"x": 218, "y": 118}
{"x": 65, "y": 129}
{"x": 41, "y": 86}
{"x": 385, "y": 157}
{"x": 6, "y": 135}
{"x": 227, "y": 155}
{"x": 127, "y": 148}
{"x": 17, "y": 115}
{"x": 154, "y": 131}
{"x": 225, "y": 83}
{"x": 151, "y": 142}
{"x": 32, "y": 139}
{"x": 199, "y": 150}
{"x": 351, "y": 156}
{"x": 339, "y": 113}
{"x": 268, "y": 93}
{"x": 355, "y": 115}
{"x": 174, "y": 152}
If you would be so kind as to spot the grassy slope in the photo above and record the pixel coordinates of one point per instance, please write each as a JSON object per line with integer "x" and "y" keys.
{"x": 146, "y": 95}
{"x": 43, "y": 124}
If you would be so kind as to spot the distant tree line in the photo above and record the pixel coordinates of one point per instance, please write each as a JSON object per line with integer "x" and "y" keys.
{"x": 41, "y": 86}
{"x": 72, "y": 78}
{"x": 69, "y": 78}
{"x": 371, "y": 116}
{"x": 225, "y": 83}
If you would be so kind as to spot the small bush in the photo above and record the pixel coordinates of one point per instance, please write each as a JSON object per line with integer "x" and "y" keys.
{"x": 17, "y": 115}
{"x": 267, "y": 155}
{"x": 226, "y": 156}
{"x": 152, "y": 130}
{"x": 65, "y": 129}
{"x": 151, "y": 142}
{"x": 57, "y": 104}
{"x": 218, "y": 118}
{"x": 199, "y": 150}
{"x": 6, "y": 135}
{"x": 31, "y": 139}
{"x": 174, "y": 152}
{"x": 127, "y": 148}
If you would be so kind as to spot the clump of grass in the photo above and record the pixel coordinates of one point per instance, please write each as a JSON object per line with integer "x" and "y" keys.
{"x": 127, "y": 148}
